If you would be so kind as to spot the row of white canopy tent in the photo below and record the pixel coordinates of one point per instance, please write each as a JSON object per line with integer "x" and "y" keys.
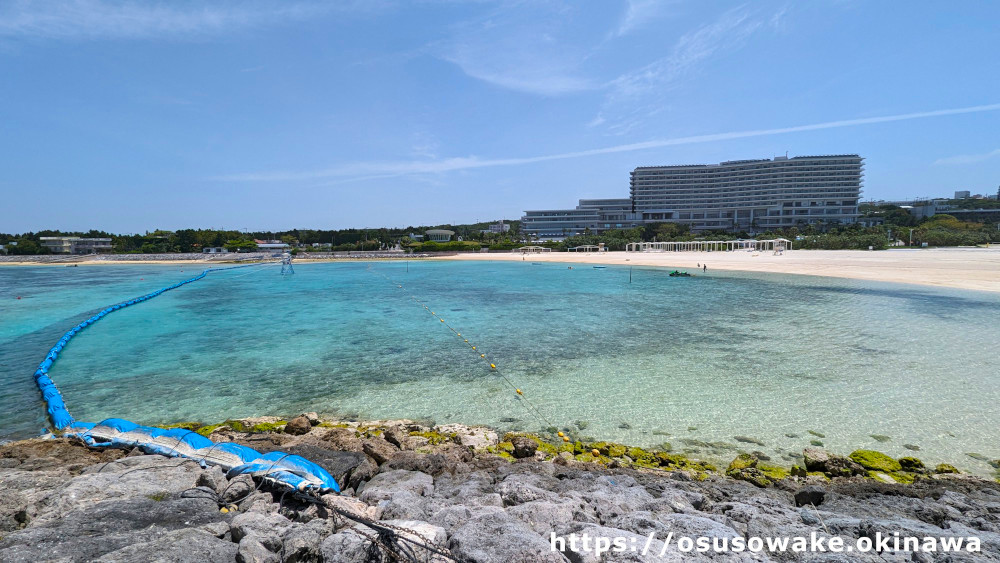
{"x": 777, "y": 245}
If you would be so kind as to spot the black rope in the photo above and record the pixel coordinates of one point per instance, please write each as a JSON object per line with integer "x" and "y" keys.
{"x": 155, "y": 467}
{"x": 387, "y": 533}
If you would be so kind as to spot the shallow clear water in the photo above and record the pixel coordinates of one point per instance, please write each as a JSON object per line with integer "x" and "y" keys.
{"x": 729, "y": 354}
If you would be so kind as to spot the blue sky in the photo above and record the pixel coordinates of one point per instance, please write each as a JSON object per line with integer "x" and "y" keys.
{"x": 280, "y": 114}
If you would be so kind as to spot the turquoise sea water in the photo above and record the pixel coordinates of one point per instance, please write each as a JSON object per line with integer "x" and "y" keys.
{"x": 728, "y": 354}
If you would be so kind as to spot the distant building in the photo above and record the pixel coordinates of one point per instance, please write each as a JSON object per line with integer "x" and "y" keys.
{"x": 439, "y": 235}
{"x": 214, "y": 250}
{"x": 871, "y": 221}
{"x": 272, "y": 246}
{"x": 733, "y": 195}
{"x": 973, "y": 215}
{"x": 750, "y": 194}
{"x": 76, "y": 245}
{"x": 499, "y": 227}
{"x": 594, "y": 215}
{"x": 963, "y": 194}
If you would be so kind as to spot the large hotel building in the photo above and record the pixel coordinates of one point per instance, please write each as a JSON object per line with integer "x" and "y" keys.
{"x": 746, "y": 195}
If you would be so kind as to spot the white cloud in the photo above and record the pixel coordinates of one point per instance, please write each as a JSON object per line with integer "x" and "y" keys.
{"x": 637, "y": 14}
{"x": 529, "y": 48}
{"x": 519, "y": 71}
{"x": 370, "y": 170}
{"x": 967, "y": 158}
{"x": 728, "y": 33}
{"x": 110, "y": 19}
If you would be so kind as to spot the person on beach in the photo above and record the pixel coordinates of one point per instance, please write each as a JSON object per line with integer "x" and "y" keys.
{"x": 704, "y": 268}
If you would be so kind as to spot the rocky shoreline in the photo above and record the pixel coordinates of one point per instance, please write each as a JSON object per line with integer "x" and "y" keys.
{"x": 471, "y": 494}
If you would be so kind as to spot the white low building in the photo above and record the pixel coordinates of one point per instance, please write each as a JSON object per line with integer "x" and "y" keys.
{"x": 75, "y": 245}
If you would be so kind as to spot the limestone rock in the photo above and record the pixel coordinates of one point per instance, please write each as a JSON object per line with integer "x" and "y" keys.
{"x": 815, "y": 459}
{"x": 378, "y": 449}
{"x": 811, "y": 494}
{"x": 184, "y": 546}
{"x": 524, "y": 447}
{"x": 342, "y": 439}
{"x": 264, "y": 528}
{"x": 396, "y": 436}
{"x": 500, "y": 538}
{"x": 384, "y": 485}
{"x": 300, "y": 544}
{"x": 253, "y": 551}
{"x": 298, "y": 426}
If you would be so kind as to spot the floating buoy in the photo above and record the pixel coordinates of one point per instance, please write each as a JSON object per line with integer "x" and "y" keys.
{"x": 565, "y": 439}
{"x": 493, "y": 366}
{"x": 560, "y": 434}
{"x": 519, "y": 392}
{"x": 473, "y": 347}
{"x": 482, "y": 355}
{"x": 224, "y": 510}
{"x": 18, "y": 296}
{"x": 594, "y": 452}
{"x": 442, "y": 320}
{"x": 465, "y": 339}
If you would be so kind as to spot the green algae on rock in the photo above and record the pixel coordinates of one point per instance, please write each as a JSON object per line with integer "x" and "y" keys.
{"x": 911, "y": 464}
{"x": 875, "y": 461}
{"x": 744, "y": 468}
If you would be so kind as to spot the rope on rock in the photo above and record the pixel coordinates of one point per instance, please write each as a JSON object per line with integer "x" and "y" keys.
{"x": 389, "y": 542}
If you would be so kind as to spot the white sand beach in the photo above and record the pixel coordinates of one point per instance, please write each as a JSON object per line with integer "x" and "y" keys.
{"x": 961, "y": 268}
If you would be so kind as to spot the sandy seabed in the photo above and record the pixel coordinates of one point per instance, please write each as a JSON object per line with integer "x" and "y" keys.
{"x": 960, "y": 268}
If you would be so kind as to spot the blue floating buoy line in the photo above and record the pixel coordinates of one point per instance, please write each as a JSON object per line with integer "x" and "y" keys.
{"x": 277, "y": 468}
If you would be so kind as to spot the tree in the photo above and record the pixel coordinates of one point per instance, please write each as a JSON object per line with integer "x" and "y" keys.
{"x": 27, "y": 246}
{"x": 241, "y": 245}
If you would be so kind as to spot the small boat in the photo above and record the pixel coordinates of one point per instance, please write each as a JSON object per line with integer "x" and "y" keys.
{"x": 679, "y": 274}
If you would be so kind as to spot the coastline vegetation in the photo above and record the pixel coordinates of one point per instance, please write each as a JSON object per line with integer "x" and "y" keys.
{"x": 889, "y": 226}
